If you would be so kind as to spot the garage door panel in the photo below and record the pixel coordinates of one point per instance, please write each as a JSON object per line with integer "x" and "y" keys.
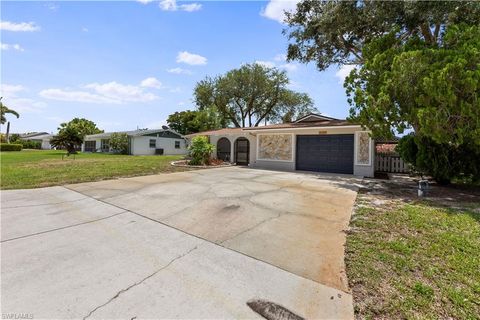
{"x": 325, "y": 153}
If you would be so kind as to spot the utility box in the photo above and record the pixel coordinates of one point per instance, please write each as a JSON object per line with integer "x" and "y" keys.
{"x": 422, "y": 188}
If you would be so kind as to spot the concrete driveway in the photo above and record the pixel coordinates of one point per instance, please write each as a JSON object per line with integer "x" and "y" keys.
{"x": 196, "y": 244}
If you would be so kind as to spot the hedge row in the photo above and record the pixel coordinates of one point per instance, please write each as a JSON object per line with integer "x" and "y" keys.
{"x": 10, "y": 147}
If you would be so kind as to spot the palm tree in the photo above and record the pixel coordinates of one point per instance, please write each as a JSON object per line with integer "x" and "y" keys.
{"x": 3, "y": 111}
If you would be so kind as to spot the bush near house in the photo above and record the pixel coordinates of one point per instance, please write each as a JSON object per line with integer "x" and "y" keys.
{"x": 28, "y": 144}
{"x": 200, "y": 150}
{"x": 119, "y": 142}
{"x": 10, "y": 147}
{"x": 444, "y": 162}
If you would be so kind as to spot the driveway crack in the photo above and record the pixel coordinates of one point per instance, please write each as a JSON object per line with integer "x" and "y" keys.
{"x": 139, "y": 282}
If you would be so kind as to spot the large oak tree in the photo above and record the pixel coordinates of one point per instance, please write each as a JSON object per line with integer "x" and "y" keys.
{"x": 251, "y": 95}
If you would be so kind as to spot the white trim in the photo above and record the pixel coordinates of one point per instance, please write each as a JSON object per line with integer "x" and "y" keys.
{"x": 369, "y": 149}
{"x": 302, "y": 128}
{"x": 316, "y": 116}
{"x": 276, "y": 160}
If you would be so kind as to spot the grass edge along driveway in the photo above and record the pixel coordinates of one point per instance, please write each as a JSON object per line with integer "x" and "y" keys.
{"x": 42, "y": 168}
{"x": 416, "y": 260}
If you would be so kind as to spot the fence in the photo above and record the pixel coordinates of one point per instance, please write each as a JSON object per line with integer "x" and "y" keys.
{"x": 390, "y": 163}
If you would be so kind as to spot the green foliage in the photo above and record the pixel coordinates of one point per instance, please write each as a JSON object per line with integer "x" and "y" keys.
{"x": 4, "y": 110}
{"x": 10, "y": 147}
{"x": 68, "y": 138}
{"x": 444, "y": 162}
{"x": 335, "y": 32}
{"x": 186, "y": 122}
{"x": 29, "y": 144}
{"x": 200, "y": 150}
{"x": 433, "y": 90}
{"x": 82, "y": 126}
{"x": 119, "y": 142}
{"x": 250, "y": 95}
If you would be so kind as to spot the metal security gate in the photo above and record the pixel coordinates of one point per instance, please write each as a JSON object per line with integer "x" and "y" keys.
{"x": 242, "y": 150}
{"x": 325, "y": 153}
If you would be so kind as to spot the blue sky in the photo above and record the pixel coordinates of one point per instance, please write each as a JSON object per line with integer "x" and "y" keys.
{"x": 132, "y": 63}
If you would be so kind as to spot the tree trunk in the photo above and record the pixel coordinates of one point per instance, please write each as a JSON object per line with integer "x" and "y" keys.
{"x": 7, "y": 133}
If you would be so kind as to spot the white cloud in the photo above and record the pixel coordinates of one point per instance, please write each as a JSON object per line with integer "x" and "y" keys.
{"x": 121, "y": 92}
{"x": 6, "y": 46}
{"x": 10, "y": 90}
{"x": 179, "y": 71}
{"x": 190, "y": 7}
{"x": 110, "y": 92}
{"x": 77, "y": 96}
{"x": 21, "y": 26}
{"x": 343, "y": 72}
{"x": 191, "y": 58}
{"x": 280, "y": 57}
{"x": 268, "y": 64}
{"x": 290, "y": 67}
{"x": 175, "y": 90}
{"x": 171, "y": 5}
{"x": 144, "y": 1}
{"x": 84, "y": 29}
{"x": 275, "y": 9}
{"x": 151, "y": 82}
{"x": 11, "y": 98}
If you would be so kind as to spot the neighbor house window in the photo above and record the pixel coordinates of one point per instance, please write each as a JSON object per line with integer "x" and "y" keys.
{"x": 153, "y": 143}
{"x": 177, "y": 144}
{"x": 90, "y": 146}
{"x": 105, "y": 145}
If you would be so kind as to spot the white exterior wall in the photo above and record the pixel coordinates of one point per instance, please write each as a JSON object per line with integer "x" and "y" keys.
{"x": 46, "y": 144}
{"x": 141, "y": 146}
{"x": 358, "y": 170}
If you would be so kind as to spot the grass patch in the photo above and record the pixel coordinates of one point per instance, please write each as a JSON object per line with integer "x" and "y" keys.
{"x": 417, "y": 261}
{"x": 41, "y": 168}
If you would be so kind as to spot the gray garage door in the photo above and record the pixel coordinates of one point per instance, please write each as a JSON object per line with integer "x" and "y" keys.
{"x": 325, "y": 153}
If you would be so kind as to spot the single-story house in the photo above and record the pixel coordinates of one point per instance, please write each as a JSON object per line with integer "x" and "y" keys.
{"x": 140, "y": 142}
{"x": 42, "y": 137}
{"x": 312, "y": 143}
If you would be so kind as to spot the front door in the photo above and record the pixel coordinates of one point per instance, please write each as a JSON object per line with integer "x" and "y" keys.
{"x": 242, "y": 150}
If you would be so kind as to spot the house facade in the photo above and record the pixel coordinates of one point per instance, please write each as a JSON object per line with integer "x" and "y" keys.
{"x": 140, "y": 142}
{"x": 312, "y": 143}
{"x": 42, "y": 137}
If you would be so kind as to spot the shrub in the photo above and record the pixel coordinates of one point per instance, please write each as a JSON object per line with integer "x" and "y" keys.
{"x": 29, "y": 144}
{"x": 200, "y": 150}
{"x": 119, "y": 142}
{"x": 444, "y": 162}
{"x": 10, "y": 147}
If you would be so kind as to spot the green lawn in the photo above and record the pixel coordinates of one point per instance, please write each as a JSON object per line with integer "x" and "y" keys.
{"x": 41, "y": 168}
{"x": 415, "y": 261}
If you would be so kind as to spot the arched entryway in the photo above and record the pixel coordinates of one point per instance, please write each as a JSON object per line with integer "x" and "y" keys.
{"x": 224, "y": 149}
{"x": 242, "y": 151}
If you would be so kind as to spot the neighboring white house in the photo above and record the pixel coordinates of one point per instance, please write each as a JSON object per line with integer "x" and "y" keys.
{"x": 312, "y": 143}
{"x": 140, "y": 142}
{"x": 42, "y": 137}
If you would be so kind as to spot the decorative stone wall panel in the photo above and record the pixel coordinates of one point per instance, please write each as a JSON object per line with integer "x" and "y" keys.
{"x": 275, "y": 147}
{"x": 363, "y": 148}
